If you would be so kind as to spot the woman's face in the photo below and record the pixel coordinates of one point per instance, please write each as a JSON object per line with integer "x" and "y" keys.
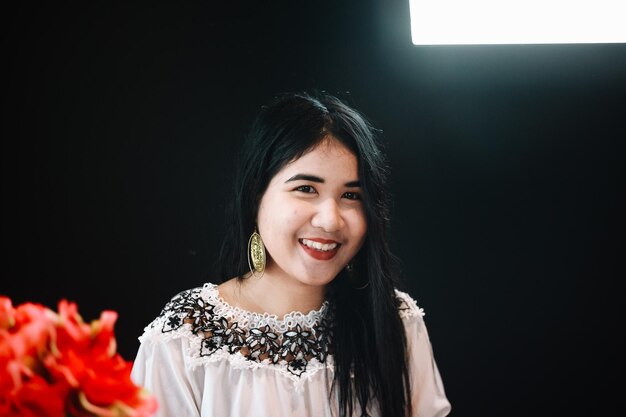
{"x": 311, "y": 217}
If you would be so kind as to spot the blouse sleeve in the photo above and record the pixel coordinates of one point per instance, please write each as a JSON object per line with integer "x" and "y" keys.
{"x": 428, "y": 395}
{"x": 161, "y": 368}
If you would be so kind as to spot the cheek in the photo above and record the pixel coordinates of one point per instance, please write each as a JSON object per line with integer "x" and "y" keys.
{"x": 281, "y": 218}
{"x": 358, "y": 226}
{"x": 265, "y": 218}
{"x": 292, "y": 220}
{"x": 292, "y": 213}
{"x": 269, "y": 209}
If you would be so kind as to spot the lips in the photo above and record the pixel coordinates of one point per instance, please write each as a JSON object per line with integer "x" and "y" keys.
{"x": 320, "y": 249}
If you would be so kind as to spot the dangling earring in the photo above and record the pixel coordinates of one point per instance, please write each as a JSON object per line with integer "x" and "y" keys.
{"x": 351, "y": 275}
{"x": 256, "y": 254}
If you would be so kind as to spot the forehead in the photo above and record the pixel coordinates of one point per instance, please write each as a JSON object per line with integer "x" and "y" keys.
{"x": 329, "y": 158}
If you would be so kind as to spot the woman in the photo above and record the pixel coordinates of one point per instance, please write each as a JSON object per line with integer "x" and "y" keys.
{"x": 311, "y": 324}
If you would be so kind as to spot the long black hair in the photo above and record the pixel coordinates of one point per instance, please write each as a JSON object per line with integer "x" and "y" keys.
{"x": 368, "y": 336}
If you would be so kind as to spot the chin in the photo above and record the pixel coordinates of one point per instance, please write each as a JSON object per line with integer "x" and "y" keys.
{"x": 317, "y": 281}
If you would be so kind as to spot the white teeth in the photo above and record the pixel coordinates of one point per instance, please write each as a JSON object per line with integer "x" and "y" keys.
{"x": 324, "y": 247}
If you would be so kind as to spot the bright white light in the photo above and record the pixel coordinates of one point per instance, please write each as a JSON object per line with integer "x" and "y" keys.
{"x": 458, "y": 22}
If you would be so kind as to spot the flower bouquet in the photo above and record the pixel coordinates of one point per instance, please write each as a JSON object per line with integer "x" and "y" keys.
{"x": 55, "y": 364}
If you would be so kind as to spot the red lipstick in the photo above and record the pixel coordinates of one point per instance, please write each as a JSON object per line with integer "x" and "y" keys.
{"x": 319, "y": 254}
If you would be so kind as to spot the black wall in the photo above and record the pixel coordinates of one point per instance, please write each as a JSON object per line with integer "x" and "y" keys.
{"x": 121, "y": 125}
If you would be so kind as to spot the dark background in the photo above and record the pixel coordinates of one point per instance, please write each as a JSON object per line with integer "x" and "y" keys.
{"x": 121, "y": 124}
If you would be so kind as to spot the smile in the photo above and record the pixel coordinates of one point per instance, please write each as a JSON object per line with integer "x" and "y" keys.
{"x": 322, "y": 251}
{"x": 324, "y": 247}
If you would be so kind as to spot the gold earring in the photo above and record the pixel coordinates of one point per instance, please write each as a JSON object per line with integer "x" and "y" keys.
{"x": 256, "y": 254}
{"x": 352, "y": 276}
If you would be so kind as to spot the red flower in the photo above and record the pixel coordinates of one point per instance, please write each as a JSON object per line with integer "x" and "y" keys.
{"x": 57, "y": 365}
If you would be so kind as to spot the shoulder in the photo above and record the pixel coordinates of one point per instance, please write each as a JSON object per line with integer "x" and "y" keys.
{"x": 407, "y": 306}
{"x": 194, "y": 306}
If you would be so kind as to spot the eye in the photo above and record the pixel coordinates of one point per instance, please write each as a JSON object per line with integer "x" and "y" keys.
{"x": 351, "y": 195}
{"x": 305, "y": 189}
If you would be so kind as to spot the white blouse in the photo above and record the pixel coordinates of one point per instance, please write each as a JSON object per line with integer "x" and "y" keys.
{"x": 204, "y": 357}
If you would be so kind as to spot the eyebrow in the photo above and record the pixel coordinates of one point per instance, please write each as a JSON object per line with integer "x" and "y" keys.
{"x": 313, "y": 178}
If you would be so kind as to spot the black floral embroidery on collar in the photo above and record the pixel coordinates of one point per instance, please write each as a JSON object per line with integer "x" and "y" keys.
{"x": 297, "y": 346}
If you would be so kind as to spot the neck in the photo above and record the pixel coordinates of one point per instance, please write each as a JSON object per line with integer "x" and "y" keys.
{"x": 278, "y": 295}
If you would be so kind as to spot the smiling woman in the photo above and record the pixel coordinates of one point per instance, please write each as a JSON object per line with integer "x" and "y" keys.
{"x": 312, "y": 325}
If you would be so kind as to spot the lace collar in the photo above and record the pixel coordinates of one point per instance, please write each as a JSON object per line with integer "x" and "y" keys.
{"x": 218, "y": 330}
{"x": 249, "y": 319}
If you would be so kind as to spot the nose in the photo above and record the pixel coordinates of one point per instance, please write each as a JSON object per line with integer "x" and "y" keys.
{"x": 328, "y": 216}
